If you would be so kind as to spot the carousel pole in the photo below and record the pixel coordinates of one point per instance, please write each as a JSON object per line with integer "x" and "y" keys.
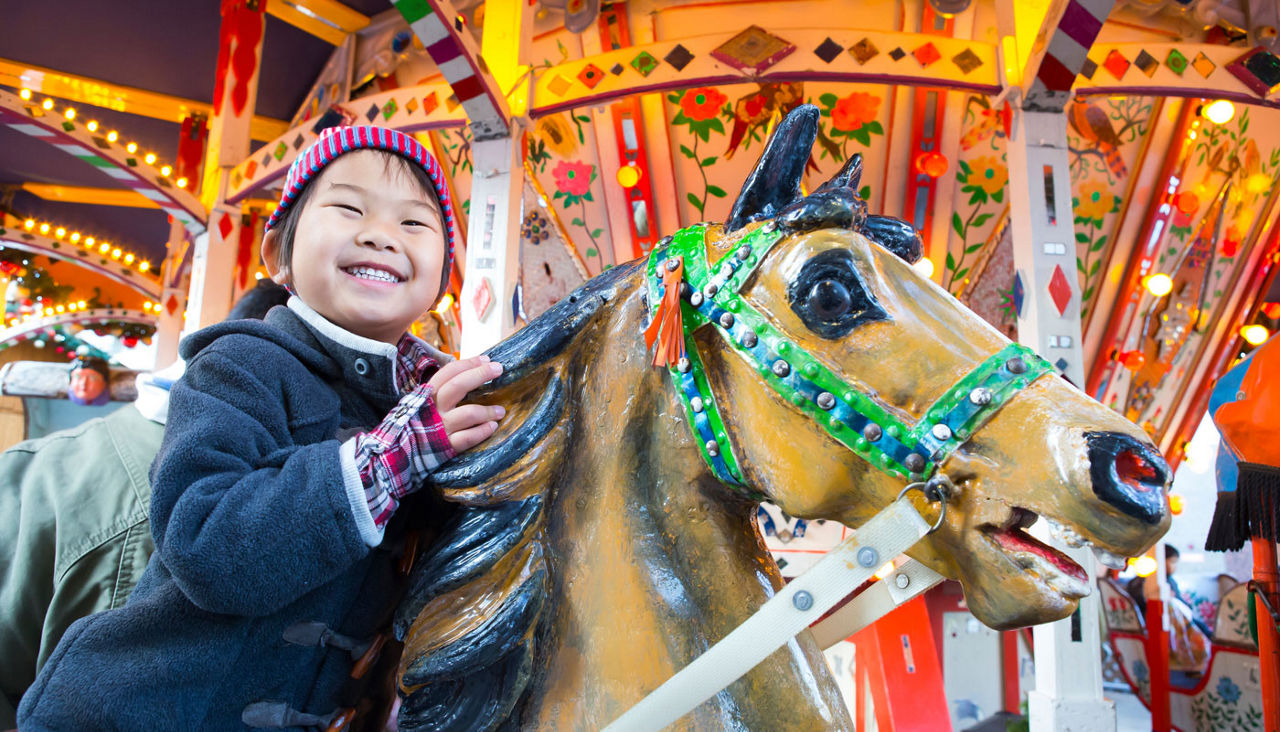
{"x": 1266, "y": 576}
{"x": 213, "y": 263}
{"x": 1047, "y": 53}
{"x": 493, "y": 91}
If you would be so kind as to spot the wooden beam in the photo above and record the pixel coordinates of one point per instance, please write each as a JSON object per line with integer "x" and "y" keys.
{"x": 308, "y": 22}
{"x": 331, "y": 11}
{"x": 85, "y": 194}
{"x": 119, "y": 98}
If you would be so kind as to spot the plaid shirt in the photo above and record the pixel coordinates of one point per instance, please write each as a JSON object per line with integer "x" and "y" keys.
{"x": 399, "y": 453}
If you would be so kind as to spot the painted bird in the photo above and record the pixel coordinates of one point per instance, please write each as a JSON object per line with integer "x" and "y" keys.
{"x": 989, "y": 122}
{"x": 1093, "y": 125}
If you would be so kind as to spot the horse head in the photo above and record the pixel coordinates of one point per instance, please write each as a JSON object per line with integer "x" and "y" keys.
{"x": 605, "y": 534}
{"x": 834, "y": 306}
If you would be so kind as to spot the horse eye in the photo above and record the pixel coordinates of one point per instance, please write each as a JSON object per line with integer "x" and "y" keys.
{"x": 829, "y": 296}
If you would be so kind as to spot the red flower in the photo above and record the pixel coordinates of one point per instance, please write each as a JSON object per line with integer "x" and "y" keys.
{"x": 854, "y": 111}
{"x": 702, "y": 104}
{"x": 573, "y": 178}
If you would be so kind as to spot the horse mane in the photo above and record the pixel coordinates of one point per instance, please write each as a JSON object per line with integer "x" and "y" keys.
{"x": 477, "y": 599}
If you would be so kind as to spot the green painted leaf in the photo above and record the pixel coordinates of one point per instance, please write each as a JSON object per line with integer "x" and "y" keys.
{"x": 862, "y": 136}
{"x": 978, "y": 198}
{"x": 591, "y": 252}
{"x": 1093, "y": 268}
{"x": 587, "y": 197}
{"x": 951, "y": 261}
{"x": 597, "y": 232}
{"x": 864, "y": 193}
{"x": 957, "y": 224}
{"x": 998, "y": 196}
{"x": 578, "y": 222}
{"x": 716, "y": 125}
{"x": 1099, "y": 243}
{"x": 828, "y": 100}
{"x": 697, "y": 203}
{"x": 964, "y": 168}
{"x": 960, "y": 274}
{"x": 1080, "y": 265}
{"x": 874, "y": 127}
{"x": 716, "y": 191}
{"x": 708, "y": 161}
{"x": 687, "y": 152}
{"x": 982, "y": 219}
{"x": 584, "y": 118}
{"x": 1081, "y": 237}
{"x": 974, "y": 247}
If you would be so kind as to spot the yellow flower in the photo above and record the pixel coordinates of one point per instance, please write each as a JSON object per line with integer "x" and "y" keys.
{"x": 990, "y": 174}
{"x": 1095, "y": 200}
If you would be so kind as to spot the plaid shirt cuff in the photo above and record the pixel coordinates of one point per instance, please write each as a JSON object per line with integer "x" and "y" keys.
{"x": 396, "y": 457}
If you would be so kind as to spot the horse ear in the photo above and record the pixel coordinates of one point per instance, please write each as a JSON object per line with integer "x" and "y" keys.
{"x": 849, "y": 176}
{"x": 894, "y": 234}
{"x": 775, "y": 182}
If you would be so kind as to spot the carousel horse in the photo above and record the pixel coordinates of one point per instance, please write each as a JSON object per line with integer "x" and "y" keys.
{"x": 606, "y": 538}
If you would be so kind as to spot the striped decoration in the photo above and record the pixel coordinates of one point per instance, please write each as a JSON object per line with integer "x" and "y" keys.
{"x": 456, "y": 55}
{"x": 26, "y": 329}
{"x": 335, "y": 141}
{"x": 1067, "y": 53}
{"x": 111, "y": 158}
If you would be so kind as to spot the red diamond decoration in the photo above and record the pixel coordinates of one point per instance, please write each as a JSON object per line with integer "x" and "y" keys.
{"x": 482, "y": 298}
{"x": 429, "y": 103}
{"x": 590, "y": 75}
{"x": 250, "y": 168}
{"x": 225, "y": 225}
{"x": 1116, "y": 63}
{"x": 926, "y": 54}
{"x": 171, "y": 304}
{"x": 1060, "y": 289}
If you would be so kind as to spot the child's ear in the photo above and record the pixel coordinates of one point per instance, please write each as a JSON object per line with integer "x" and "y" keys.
{"x": 270, "y": 259}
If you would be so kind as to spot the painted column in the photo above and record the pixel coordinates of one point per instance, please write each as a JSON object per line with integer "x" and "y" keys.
{"x": 173, "y": 295}
{"x": 235, "y": 96}
{"x": 493, "y": 242}
{"x": 1068, "y": 693}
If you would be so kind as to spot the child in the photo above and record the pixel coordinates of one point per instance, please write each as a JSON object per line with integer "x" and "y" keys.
{"x": 289, "y": 446}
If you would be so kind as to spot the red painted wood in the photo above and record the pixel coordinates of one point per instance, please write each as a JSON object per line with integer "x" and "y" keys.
{"x": 905, "y": 676}
{"x": 1265, "y": 572}
{"x": 1009, "y": 656}
{"x": 1157, "y": 642}
{"x": 921, "y": 187}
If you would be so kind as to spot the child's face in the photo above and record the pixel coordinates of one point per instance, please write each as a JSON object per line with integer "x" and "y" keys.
{"x": 367, "y": 215}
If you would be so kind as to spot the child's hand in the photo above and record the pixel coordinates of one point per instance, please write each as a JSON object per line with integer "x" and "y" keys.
{"x": 470, "y": 424}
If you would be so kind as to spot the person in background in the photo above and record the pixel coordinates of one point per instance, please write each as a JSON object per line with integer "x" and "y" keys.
{"x": 74, "y": 534}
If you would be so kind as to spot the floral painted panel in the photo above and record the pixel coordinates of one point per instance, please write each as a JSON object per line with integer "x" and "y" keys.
{"x": 979, "y": 205}
{"x": 718, "y": 133}
{"x": 561, "y": 151}
{"x": 1104, "y": 142}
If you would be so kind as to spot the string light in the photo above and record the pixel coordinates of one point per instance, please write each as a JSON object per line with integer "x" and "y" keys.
{"x": 128, "y": 259}
{"x": 1255, "y": 335}
{"x": 115, "y": 253}
{"x": 182, "y": 182}
{"x": 104, "y": 248}
{"x": 44, "y": 228}
{"x": 92, "y": 126}
{"x": 166, "y": 170}
{"x": 131, "y": 147}
{"x": 75, "y": 237}
{"x": 47, "y": 104}
{"x": 25, "y": 94}
{"x": 89, "y": 242}
{"x": 69, "y": 113}
{"x": 1143, "y": 566}
{"x": 144, "y": 266}
{"x": 150, "y": 158}
{"x": 1158, "y": 284}
{"x": 112, "y": 136}
{"x": 1220, "y": 112}
{"x": 61, "y": 232}
{"x": 29, "y": 224}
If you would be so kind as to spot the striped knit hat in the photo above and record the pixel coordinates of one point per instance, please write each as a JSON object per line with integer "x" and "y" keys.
{"x": 335, "y": 141}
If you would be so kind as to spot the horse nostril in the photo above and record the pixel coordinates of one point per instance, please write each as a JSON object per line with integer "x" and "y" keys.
{"x": 1129, "y": 475}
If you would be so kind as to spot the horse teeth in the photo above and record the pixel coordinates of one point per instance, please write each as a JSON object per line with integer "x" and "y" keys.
{"x": 1109, "y": 560}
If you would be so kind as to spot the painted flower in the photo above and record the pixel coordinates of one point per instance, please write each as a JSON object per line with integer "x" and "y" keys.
{"x": 854, "y": 111}
{"x": 573, "y": 178}
{"x": 1095, "y": 201}
{"x": 1207, "y": 610}
{"x": 1140, "y": 673}
{"x": 702, "y": 104}
{"x": 1228, "y": 690}
{"x": 989, "y": 174}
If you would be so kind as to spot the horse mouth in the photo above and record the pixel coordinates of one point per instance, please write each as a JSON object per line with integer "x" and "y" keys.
{"x": 1042, "y": 562}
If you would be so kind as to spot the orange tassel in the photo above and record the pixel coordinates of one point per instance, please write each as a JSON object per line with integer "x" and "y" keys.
{"x": 667, "y": 328}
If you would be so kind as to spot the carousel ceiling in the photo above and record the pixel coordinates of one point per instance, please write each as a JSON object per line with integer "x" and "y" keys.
{"x": 645, "y": 117}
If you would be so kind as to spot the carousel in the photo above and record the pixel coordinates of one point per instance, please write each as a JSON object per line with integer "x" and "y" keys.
{"x": 882, "y": 365}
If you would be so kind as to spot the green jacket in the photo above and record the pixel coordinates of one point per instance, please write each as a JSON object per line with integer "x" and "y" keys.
{"x": 74, "y": 536}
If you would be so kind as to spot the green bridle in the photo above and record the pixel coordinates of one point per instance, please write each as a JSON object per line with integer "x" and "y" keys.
{"x": 852, "y": 417}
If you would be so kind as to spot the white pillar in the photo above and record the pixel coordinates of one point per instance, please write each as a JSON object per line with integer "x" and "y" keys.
{"x": 173, "y": 286}
{"x": 493, "y": 241}
{"x": 1068, "y": 657}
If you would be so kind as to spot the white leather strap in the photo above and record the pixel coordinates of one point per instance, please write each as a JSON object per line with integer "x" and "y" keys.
{"x": 794, "y": 608}
{"x": 908, "y": 581}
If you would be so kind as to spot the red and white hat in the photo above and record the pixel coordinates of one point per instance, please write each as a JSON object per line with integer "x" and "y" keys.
{"x": 335, "y": 141}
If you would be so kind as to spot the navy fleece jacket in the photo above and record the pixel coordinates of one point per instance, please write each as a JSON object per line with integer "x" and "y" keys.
{"x": 257, "y": 527}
